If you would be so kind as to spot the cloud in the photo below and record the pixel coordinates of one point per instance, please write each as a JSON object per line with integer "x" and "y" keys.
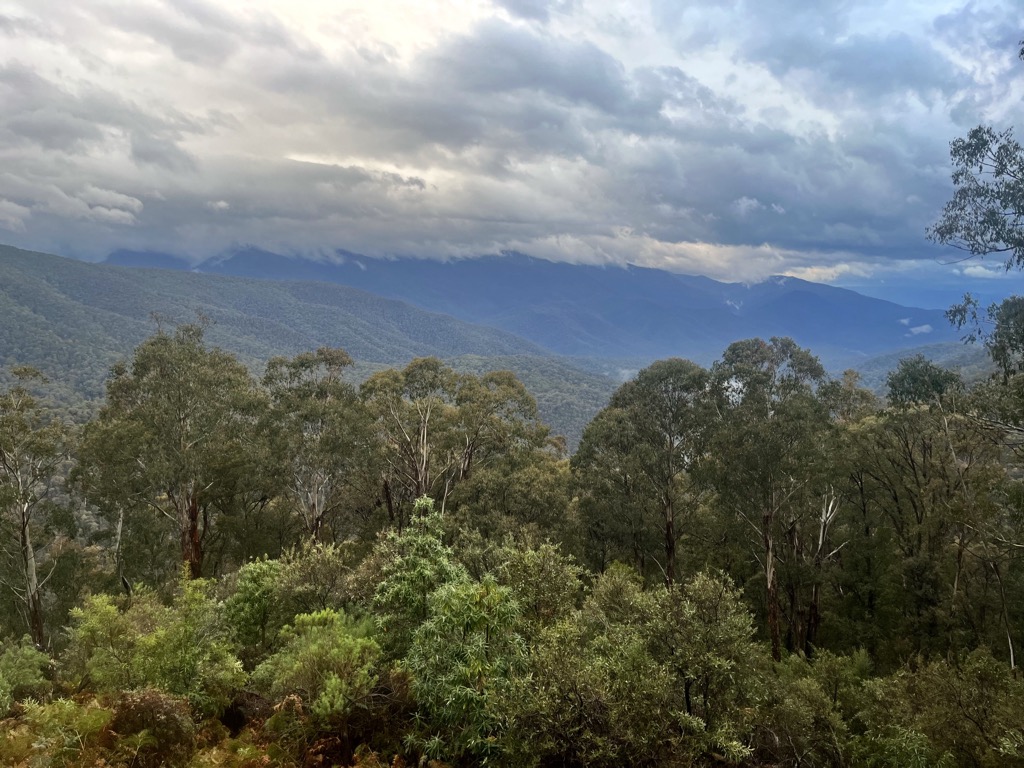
{"x": 738, "y": 141}
{"x": 917, "y": 330}
{"x": 746, "y": 205}
{"x": 535, "y": 10}
{"x": 13, "y": 216}
{"x": 982, "y": 272}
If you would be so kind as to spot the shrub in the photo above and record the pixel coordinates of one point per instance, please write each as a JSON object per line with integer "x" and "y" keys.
{"x": 22, "y": 673}
{"x": 181, "y": 649}
{"x": 462, "y": 654}
{"x": 154, "y": 728}
{"x": 59, "y": 733}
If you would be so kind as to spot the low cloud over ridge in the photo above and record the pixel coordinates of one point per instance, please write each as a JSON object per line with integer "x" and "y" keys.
{"x": 737, "y": 140}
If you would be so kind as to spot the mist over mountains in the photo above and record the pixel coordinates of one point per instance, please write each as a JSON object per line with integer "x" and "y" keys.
{"x": 626, "y": 313}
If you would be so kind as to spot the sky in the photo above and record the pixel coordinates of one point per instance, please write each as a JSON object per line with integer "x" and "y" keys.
{"x": 734, "y": 139}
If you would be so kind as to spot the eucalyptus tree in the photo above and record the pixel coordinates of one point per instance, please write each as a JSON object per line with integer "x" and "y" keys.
{"x": 936, "y": 479}
{"x": 412, "y": 411}
{"x": 640, "y": 455}
{"x": 768, "y": 454}
{"x": 918, "y": 380}
{"x": 33, "y": 447}
{"x": 613, "y": 508}
{"x": 319, "y": 429}
{"x": 436, "y": 428}
{"x": 174, "y": 442}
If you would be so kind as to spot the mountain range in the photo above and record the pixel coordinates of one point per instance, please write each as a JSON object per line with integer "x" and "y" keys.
{"x": 571, "y": 333}
{"x": 627, "y": 313}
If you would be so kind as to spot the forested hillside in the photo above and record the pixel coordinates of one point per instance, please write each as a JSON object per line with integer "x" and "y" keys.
{"x": 74, "y": 320}
{"x": 749, "y": 563}
{"x": 610, "y": 311}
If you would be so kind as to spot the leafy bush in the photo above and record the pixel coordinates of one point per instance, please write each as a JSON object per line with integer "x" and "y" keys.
{"x": 22, "y": 673}
{"x": 702, "y": 631}
{"x": 962, "y": 713}
{"x": 546, "y": 584}
{"x": 798, "y": 722}
{"x": 412, "y": 564}
{"x": 253, "y": 611}
{"x": 181, "y": 649}
{"x": 315, "y": 577}
{"x": 589, "y": 699}
{"x": 327, "y": 661}
{"x": 463, "y": 653}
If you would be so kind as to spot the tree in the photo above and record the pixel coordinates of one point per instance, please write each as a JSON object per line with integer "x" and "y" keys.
{"x": 666, "y": 414}
{"x": 986, "y": 212}
{"x": 436, "y": 428}
{"x": 174, "y": 438}
{"x": 918, "y": 380}
{"x": 931, "y": 480}
{"x": 768, "y": 451}
{"x": 318, "y": 427}
{"x": 33, "y": 445}
{"x": 613, "y": 505}
{"x": 411, "y": 407}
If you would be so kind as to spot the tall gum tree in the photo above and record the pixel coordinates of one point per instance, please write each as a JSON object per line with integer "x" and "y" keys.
{"x": 766, "y": 448}
{"x": 33, "y": 446}
{"x": 318, "y": 428}
{"x": 172, "y": 437}
{"x": 436, "y": 428}
{"x": 648, "y": 459}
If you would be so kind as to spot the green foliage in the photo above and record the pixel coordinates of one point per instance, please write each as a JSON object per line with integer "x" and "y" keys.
{"x": 985, "y": 213}
{"x": 175, "y": 441}
{"x": 33, "y": 446}
{"x": 546, "y": 584}
{"x": 962, "y": 713}
{"x": 327, "y": 660}
{"x": 797, "y": 722}
{"x": 22, "y": 673}
{"x": 253, "y": 611}
{"x": 845, "y": 525}
{"x": 412, "y": 564}
{"x": 800, "y": 719}
{"x": 465, "y": 650}
{"x": 703, "y": 633}
{"x": 182, "y": 649}
{"x": 590, "y": 698}
{"x": 317, "y": 429}
{"x": 317, "y": 576}
{"x": 918, "y": 380}
{"x": 518, "y": 493}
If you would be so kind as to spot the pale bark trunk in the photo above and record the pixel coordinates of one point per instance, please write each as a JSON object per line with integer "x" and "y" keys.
{"x": 33, "y": 600}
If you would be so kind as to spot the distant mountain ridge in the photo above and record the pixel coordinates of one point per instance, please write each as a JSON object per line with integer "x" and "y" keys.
{"x": 73, "y": 320}
{"x": 628, "y": 312}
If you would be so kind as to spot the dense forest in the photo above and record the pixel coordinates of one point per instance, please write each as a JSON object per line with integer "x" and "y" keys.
{"x": 750, "y": 563}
